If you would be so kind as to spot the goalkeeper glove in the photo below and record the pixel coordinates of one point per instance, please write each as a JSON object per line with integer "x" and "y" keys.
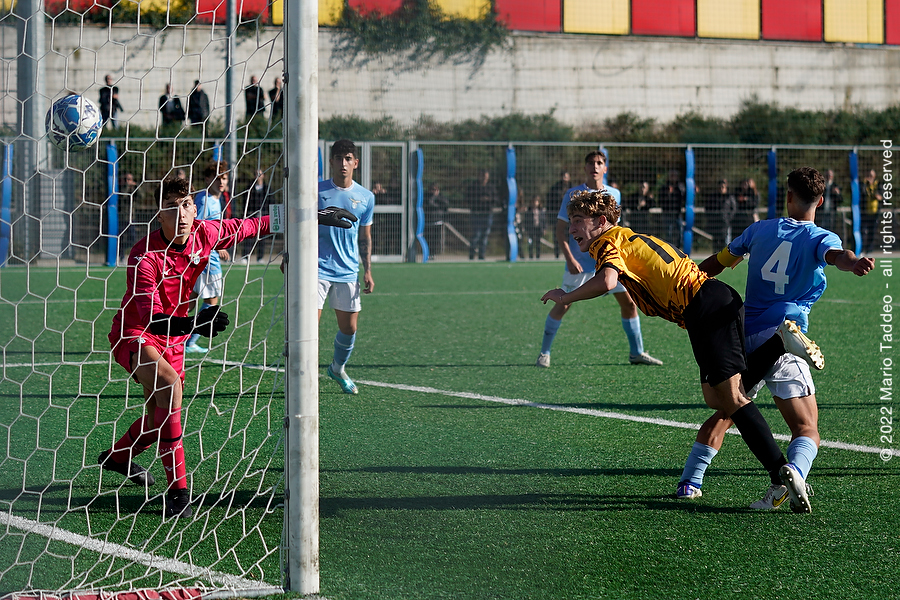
{"x": 209, "y": 322}
{"x": 333, "y": 216}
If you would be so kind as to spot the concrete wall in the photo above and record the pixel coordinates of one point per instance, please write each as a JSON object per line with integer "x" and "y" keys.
{"x": 583, "y": 78}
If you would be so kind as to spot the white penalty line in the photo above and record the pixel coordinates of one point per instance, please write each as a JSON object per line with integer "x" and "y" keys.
{"x": 612, "y": 415}
{"x": 885, "y": 453}
{"x": 118, "y": 551}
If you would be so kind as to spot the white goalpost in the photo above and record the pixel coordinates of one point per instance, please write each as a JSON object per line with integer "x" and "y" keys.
{"x": 69, "y": 527}
{"x": 301, "y": 324}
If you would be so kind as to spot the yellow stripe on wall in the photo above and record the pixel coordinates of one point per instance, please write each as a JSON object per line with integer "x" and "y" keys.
{"x": 860, "y": 21}
{"x": 737, "y": 19}
{"x": 330, "y": 11}
{"x": 597, "y": 16}
{"x": 464, "y": 9}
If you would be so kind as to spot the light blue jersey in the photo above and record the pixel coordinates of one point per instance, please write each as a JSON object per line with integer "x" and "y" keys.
{"x": 786, "y": 270}
{"x": 339, "y": 248}
{"x": 584, "y": 258}
{"x": 209, "y": 208}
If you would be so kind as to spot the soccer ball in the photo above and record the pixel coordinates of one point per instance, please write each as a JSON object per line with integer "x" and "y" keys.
{"x": 74, "y": 123}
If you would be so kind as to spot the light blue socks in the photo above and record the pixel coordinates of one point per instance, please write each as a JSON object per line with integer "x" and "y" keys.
{"x": 632, "y": 329}
{"x": 697, "y": 461}
{"x": 343, "y": 347}
{"x": 801, "y": 452}
{"x": 551, "y": 326}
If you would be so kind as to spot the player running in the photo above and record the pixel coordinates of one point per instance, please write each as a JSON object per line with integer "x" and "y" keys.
{"x": 580, "y": 268}
{"x": 665, "y": 282}
{"x": 786, "y": 275}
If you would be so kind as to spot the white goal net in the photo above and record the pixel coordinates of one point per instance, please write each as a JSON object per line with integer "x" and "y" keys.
{"x": 69, "y": 221}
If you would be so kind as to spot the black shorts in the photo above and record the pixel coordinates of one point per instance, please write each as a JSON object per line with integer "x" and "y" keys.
{"x": 715, "y": 323}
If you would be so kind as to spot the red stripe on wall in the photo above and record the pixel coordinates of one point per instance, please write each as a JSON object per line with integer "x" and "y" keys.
{"x": 663, "y": 17}
{"x": 530, "y": 15}
{"x": 366, "y": 7}
{"x": 799, "y": 20}
{"x": 250, "y": 9}
{"x": 892, "y": 22}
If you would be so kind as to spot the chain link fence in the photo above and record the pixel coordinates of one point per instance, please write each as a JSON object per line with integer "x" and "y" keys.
{"x": 460, "y": 200}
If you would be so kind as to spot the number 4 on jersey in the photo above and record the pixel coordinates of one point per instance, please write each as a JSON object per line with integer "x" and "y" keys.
{"x": 775, "y": 269}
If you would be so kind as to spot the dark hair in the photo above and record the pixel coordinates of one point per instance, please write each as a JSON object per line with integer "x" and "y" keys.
{"x": 592, "y": 155}
{"x": 214, "y": 169}
{"x": 807, "y": 184}
{"x": 342, "y": 147}
{"x": 173, "y": 186}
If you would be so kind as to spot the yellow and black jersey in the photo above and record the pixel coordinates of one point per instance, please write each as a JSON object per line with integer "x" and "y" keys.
{"x": 661, "y": 279}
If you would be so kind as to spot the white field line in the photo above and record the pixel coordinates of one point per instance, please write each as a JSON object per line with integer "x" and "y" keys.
{"x": 118, "y": 551}
{"x": 173, "y": 566}
{"x": 606, "y": 414}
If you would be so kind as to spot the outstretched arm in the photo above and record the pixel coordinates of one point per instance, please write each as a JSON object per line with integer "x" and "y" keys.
{"x": 596, "y": 286}
{"x": 846, "y": 260}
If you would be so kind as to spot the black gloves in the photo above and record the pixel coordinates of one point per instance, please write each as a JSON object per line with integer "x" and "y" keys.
{"x": 209, "y": 322}
{"x": 334, "y": 217}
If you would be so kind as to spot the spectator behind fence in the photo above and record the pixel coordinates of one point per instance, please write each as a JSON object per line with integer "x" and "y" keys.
{"x": 554, "y": 197}
{"x": 257, "y": 206}
{"x": 435, "y": 208}
{"x": 534, "y": 222}
{"x": 720, "y": 208}
{"x": 831, "y": 201}
{"x": 170, "y": 107}
{"x": 255, "y": 98}
{"x": 872, "y": 196}
{"x": 198, "y": 104}
{"x": 637, "y": 207}
{"x": 109, "y": 103}
{"x": 482, "y": 198}
{"x": 276, "y": 97}
{"x": 671, "y": 200}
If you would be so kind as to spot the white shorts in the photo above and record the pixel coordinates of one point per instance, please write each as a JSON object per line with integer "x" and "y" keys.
{"x": 342, "y": 295}
{"x": 209, "y": 285}
{"x": 573, "y": 281}
{"x": 789, "y": 377}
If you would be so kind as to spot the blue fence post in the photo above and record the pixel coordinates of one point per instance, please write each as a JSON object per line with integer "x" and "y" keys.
{"x": 606, "y": 156}
{"x": 321, "y": 166}
{"x": 511, "y": 204}
{"x": 689, "y": 189}
{"x": 5, "y": 203}
{"x": 773, "y": 183}
{"x": 420, "y": 201}
{"x": 112, "y": 205}
{"x": 854, "y": 202}
{"x": 217, "y": 152}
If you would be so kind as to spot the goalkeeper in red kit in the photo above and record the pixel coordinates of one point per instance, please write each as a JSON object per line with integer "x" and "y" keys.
{"x": 152, "y": 324}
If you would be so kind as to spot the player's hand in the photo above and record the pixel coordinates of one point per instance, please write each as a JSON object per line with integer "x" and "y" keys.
{"x": 554, "y": 295}
{"x": 574, "y": 267}
{"x": 223, "y": 255}
{"x": 368, "y": 283}
{"x": 211, "y": 321}
{"x": 863, "y": 266}
{"x": 333, "y": 216}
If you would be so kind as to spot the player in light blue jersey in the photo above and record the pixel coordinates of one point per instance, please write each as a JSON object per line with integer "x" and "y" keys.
{"x": 785, "y": 277}
{"x": 209, "y": 207}
{"x": 342, "y": 252}
{"x": 580, "y": 267}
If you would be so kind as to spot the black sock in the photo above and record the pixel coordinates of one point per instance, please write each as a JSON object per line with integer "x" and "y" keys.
{"x": 758, "y": 437}
{"x": 760, "y": 361}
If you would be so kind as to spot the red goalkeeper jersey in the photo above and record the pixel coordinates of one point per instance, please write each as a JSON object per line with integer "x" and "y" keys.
{"x": 161, "y": 275}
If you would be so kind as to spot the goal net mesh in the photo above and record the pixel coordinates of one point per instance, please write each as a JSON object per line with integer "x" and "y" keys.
{"x": 71, "y": 219}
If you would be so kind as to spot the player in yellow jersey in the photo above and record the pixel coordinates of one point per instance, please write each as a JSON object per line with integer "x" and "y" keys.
{"x": 665, "y": 282}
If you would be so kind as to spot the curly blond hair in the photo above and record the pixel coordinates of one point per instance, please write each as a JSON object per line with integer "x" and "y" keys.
{"x": 595, "y": 204}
